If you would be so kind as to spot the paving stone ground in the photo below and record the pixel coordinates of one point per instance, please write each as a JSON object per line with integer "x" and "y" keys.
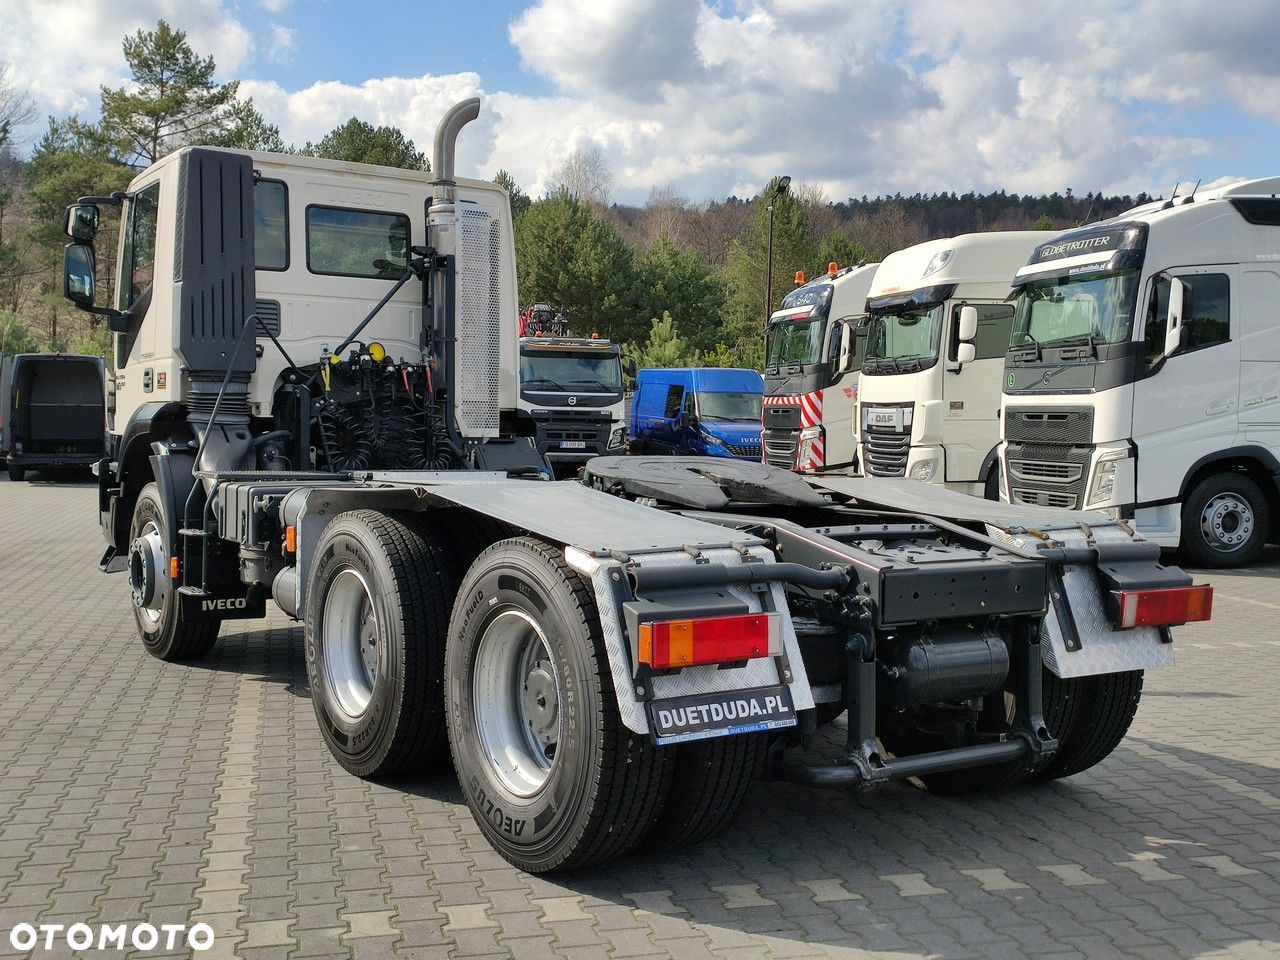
{"x": 134, "y": 791}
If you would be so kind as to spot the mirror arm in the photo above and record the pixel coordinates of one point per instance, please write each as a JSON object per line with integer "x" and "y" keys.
{"x": 114, "y": 199}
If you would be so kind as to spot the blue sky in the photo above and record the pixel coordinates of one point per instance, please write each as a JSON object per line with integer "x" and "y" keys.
{"x": 713, "y": 97}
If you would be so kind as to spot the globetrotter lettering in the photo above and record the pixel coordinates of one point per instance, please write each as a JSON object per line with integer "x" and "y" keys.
{"x": 1074, "y": 246}
{"x": 716, "y": 712}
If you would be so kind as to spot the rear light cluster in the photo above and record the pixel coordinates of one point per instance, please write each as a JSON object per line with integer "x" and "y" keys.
{"x": 665, "y": 644}
{"x": 1168, "y": 607}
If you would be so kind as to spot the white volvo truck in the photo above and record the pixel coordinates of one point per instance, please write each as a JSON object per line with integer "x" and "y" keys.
{"x": 318, "y": 406}
{"x": 813, "y": 352}
{"x": 1143, "y": 377}
{"x": 929, "y": 391}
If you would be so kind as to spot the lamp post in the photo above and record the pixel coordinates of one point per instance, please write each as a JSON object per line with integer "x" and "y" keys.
{"x": 778, "y": 190}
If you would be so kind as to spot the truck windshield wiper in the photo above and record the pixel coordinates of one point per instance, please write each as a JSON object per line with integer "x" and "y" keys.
{"x": 558, "y": 386}
{"x": 599, "y": 383}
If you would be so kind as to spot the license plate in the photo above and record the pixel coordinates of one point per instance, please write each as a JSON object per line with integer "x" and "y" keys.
{"x": 885, "y": 418}
{"x": 573, "y": 444}
{"x": 722, "y": 714}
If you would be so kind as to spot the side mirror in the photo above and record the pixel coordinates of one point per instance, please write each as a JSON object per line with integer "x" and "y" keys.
{"x": 82, "y": 221}
{"x": 629, "y": 368}
{"x": 968, "y": 328}
{"x": 965, "y": 353}
{"x": 78, "y": 273}
{"x": 1173, "y": 318}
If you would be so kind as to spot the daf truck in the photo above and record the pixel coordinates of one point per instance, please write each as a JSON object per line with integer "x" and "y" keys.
{"x": 813, "y": 351}
{"x": 317, "y": 408}
{"x": 1143, "y": 376}
{"x": 929, "y": 390}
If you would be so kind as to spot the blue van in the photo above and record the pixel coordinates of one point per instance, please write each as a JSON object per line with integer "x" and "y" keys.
{"x": 712, "y": 411}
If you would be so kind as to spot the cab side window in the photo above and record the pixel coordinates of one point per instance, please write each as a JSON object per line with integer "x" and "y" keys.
{"x": 675, "y": 398}
{"x": 1206, "y": 311}
{"x": 137, "y": 265}
{"x": 995, "y": 326}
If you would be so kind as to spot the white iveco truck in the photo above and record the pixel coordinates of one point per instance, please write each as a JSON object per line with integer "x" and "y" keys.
{"x": 318, "y": 406}
{"x": 1143, "y": 377}
{"x": 813, "y": 351}
{"x": 929, "y": 391}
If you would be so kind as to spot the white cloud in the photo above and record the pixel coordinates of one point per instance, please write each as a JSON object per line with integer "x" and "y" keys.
{"x": 283, "y": 43}
{"x": 717, "y": 96}
{"x": 63, "y": 50}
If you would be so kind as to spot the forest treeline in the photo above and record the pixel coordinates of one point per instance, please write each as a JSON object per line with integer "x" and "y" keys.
{"x": 676, "y": 281}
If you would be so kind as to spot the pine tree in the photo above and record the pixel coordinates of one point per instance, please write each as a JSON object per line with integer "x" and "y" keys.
{"x": 173, "y": 100}
{"x": 360, "y": 142}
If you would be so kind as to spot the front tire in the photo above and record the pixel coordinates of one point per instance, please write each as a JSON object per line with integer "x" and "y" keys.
{"x": 377, "y": 612}
{"x": 164, "y": 632}
{"x": 552, "y": 776}
{"x": 1225, "y": 521}
{"x": 17, "y": 472}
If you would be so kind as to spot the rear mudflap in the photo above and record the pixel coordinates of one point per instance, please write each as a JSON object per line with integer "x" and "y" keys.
{"x": 686, "y": 695}
{"x": 1097, "y": 647}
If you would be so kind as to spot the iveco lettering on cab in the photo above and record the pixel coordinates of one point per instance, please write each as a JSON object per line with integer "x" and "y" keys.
{"x": 1142, "y": 376}
{"x": 929, "y": 392}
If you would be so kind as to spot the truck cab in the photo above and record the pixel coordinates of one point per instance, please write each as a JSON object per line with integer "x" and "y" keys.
{"x": 1141, "y": 376}
{"x": 711, "y": 411}
{"x": 813, "y": 351}
{"x": 929, "y": 390}
{"x": 571, "y": 398}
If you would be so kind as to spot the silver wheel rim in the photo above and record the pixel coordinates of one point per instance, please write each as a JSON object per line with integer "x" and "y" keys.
{"x": 1227, "y": 522}
{"x": 516, "y": 692}
{"x": 149, "y": 573}
{"x": 351, "y": 643}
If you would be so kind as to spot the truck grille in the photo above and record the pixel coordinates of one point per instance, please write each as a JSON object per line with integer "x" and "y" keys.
{"x": 1047, "y": 474}
{"x": 1058, "y": 425}
{"x": 1046, "y": 471}
{"x": 780, "y": 448}
{"x": 748, "y": 450}
{"x": 558, "y": 435}
{"x": 885, "y": 454}
{"x": 1046, "y": 498}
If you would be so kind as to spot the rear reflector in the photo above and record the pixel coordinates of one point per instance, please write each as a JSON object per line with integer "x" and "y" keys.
{"x": 1163, "y": 608}
{"x": 687, "y": 643}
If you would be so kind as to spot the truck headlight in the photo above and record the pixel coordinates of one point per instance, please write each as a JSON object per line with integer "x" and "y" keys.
{"x": 924, "y": 470}
{"x": 618, "y": 437}
{"x": 710, "y": 439}
{"x": 1102, "y": 485}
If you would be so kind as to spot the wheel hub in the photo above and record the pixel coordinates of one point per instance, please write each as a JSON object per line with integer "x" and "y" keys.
{"x": 351, "y": 644}
{"x": 148, "y": 571}
{"x": 1227, "y": 522}
{"x": 516, "y": 692}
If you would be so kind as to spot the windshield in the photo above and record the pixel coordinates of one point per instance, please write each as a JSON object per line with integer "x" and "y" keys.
{"x": 905, "y": 333}
{"x": 729, "y": 406}
{"x": 1097, "y": 309}
{"x": 571, "y": 372}
{"x": 795, "y": 341}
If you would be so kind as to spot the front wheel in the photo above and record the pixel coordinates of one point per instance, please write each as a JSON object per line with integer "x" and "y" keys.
{"x": 1225, "y": 521}
{"x": 17, "y": 472}
{"x": 165, "y": 633}
{"x": 552, "y": 776}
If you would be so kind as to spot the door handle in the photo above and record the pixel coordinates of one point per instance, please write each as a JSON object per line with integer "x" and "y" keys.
{"x": 1221, "y": 405}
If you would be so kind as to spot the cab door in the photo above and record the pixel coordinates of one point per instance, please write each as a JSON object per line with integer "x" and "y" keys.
{"x": 135, "y": 348}
{"x": 971, "y": 393}
{"x": 1185, "y": 406}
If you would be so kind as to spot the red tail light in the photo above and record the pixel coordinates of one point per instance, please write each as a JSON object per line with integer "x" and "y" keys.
{"x": 688, "y": 643}
{"x": 1163, "y": 608}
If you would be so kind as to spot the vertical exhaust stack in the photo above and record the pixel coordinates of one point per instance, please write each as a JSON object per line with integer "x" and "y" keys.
{"x": 465, "y": 297}
{"x": 442, "y": 154}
